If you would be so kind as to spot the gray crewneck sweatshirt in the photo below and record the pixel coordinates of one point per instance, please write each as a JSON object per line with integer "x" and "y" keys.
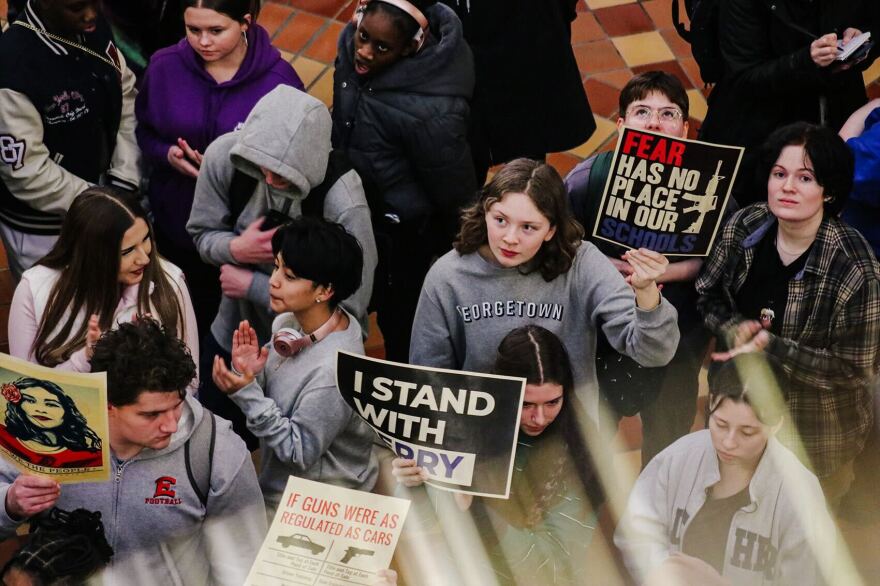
{"x": 469, "y": 304}
{"x": 288, "y": 133}
{"x": 305, "y": 427}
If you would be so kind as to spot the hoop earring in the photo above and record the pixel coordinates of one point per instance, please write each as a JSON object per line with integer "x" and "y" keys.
{"x": 244, "y": 37}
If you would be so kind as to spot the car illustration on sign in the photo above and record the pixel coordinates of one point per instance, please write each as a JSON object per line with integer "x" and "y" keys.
{"x": 301, "y": 541}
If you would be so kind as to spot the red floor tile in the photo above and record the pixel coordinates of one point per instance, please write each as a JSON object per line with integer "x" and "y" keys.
{"x": 598, "y": 56}
{"x": 603, "y": 97}
{"x": 626, "y": 19}
{"x": 679, "y": 46}
{"x": 324, "y": 47}
{"x": 668, "y": 66}
{"x": 298, "y": 31}
{"x": 690, "y": 66}
{"x": 585, "y": 28}
{"x": 347, "y": 12}
{"x": 562, "y": 162}
{"x": 661, "y": 12}
{"x": 272, "y": 16}
{"x": 327, "y": 8}
{"x": 873, "y": 91}
{"x": 616, "y": 79}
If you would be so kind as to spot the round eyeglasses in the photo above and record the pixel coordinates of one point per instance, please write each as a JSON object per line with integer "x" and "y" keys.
{"x": 645, "y": 114}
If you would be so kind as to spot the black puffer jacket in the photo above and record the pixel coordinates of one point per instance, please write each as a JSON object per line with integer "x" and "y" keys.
{"x": 770, "y": 80}
{"x": 405, "y": 130}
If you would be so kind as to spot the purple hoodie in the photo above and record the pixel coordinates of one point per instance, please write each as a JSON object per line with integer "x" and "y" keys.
{"x": 179, "y": 99}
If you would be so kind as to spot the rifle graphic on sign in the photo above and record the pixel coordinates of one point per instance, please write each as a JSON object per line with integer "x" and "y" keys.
{"x": 703, "y": 204}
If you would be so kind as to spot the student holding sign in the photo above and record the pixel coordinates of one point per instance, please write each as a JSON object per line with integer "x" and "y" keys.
{"x": 519, "y": 259}
{"x": 788, "y": 277}
{"x": 288, "y": 394}
{"x": 550, "y": 515}
{"x": 654, "y": 101}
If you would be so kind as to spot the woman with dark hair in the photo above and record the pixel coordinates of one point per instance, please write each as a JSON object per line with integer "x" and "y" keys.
{"x": 403, "y": 79}
{"x": 65, "y": 548}
{"x": 788, "y": 277}
{"x": 192, "y": 92}
{"x": 103, "y": 270}
{"x": 287, "y": 391}
{"x": 730, "y": 501}
{"x": 520, "y": 259}
{"x": 44, "y": 426}
{"x": 539, "y": 535}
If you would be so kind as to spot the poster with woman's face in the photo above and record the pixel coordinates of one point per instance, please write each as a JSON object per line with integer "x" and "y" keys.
{"x": 54, "y": 423}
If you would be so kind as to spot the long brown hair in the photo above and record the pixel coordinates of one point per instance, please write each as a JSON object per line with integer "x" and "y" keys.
{"x": 544, "y": 187}
{"x": 87, "y": 257}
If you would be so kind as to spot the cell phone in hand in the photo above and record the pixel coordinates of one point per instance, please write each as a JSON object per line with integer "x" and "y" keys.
{"x": 274, "y": 219}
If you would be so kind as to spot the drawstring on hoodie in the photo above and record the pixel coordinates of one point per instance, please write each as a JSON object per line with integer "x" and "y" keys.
{"x": 467, "y": 4}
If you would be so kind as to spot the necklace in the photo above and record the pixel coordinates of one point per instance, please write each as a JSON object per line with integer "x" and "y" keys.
{"x": 781, "y": 249}
{"x": 70, "y": 43}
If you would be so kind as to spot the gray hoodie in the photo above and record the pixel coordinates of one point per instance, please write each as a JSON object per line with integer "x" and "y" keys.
{"x": 288, "y": 133}
{"x": 154, "y": 520}
{"x": 305, "y": 427}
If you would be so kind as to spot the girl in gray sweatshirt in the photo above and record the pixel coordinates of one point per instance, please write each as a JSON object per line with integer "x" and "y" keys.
{"x": 520, "y": 259}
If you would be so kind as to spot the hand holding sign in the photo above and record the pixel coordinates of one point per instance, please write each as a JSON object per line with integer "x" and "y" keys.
{"x": 407, "y": 473}
{"x": 648, "y": 266}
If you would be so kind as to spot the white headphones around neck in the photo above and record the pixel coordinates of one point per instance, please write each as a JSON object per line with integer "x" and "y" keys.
{"x": 421, "y": 34}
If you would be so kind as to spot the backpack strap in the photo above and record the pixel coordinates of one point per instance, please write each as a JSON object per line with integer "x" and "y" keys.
{"x": 199, "y": 468}
{"x": 592, "y": 201}
{"x": 337, "y": 166}
{"x": 241, "y": 189}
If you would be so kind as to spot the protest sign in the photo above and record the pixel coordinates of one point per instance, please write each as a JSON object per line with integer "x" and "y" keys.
{"x": 666, "y": 193}
{"x": 54, "y": 423}
{"x": 328, "y": 535}
{"x": 461, "y": 427}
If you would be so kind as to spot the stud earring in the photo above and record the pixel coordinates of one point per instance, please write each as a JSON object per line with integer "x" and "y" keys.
{"x": 317, "y": 300}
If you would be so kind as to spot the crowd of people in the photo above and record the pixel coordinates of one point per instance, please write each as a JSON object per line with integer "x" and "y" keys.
{"x": 179, "y": 213}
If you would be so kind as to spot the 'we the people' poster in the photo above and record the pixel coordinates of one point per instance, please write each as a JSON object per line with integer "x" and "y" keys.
{"x": 461, "y": 427}
{"x": 328, "y": 535}
{"x": 53, "y": 422}
{"x": 667, "y": 194}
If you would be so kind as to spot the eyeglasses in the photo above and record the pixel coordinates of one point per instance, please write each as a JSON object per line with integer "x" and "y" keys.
{"x": 645, "y": 114}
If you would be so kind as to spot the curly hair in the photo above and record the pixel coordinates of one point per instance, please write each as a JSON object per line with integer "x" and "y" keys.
{"x": 65, "y": 547}
{"x": 142, "y": 356}
{"x": 543, "y": 185}
{"x": 73, "y": 433}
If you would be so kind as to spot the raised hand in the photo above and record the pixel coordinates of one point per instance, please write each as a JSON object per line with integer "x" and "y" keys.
{"x": 248, "y": 357}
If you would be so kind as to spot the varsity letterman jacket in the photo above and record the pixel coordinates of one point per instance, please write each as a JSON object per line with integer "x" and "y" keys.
{"x": 66, "y": 121}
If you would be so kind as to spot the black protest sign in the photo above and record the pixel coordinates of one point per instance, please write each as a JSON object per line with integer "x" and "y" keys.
{"x": 666, "y": 193}
{"x": 461, "y": 427}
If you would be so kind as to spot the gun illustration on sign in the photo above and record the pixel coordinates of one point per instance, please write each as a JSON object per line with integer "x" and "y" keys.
{"x": 703, "y": 204}
{"x": 355, "y": 551}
